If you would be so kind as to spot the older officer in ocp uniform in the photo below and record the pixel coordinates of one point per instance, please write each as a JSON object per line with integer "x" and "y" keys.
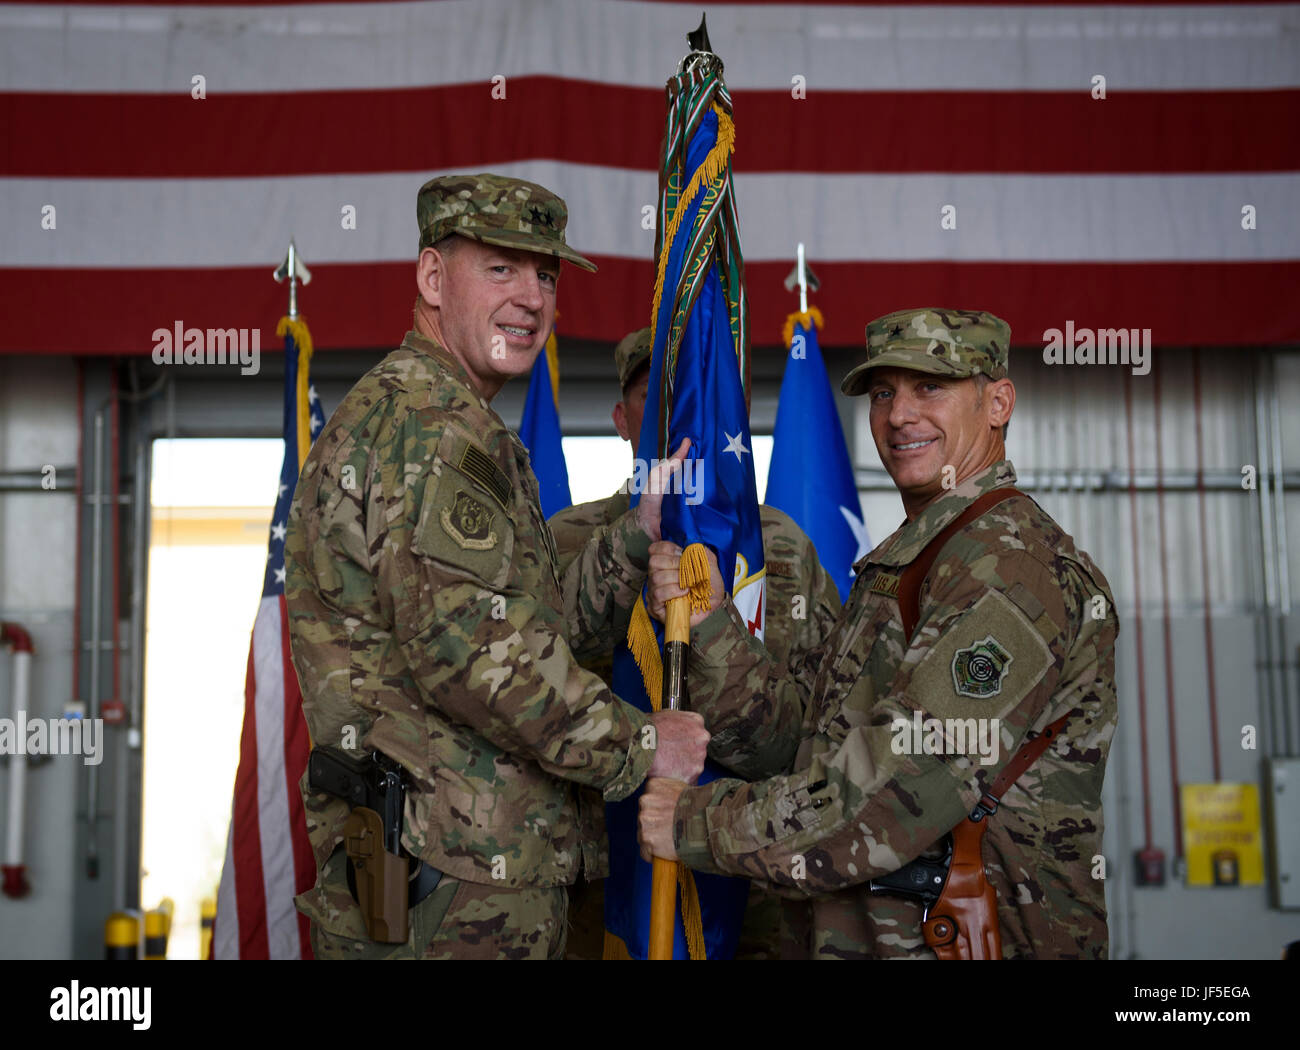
{"x": 428, "y": 617}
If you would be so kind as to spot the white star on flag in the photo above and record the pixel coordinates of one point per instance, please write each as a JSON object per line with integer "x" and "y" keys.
{"x": 279, "y": 575}
{"x": 277, "y": 531}
{"x": 859, "y": 527}
{"x": 311, "y": 393}
{"x": 282, "y": 488}
{"x": 734, "y": 444}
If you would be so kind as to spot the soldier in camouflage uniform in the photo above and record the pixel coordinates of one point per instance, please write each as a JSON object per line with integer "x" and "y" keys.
{"x": 429, "y": 621}
{"x": 1014, "y": 623}
{"x": 802, "y": 606}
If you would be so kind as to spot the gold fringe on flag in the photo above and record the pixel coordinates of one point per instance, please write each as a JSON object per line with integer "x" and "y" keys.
{"x": 297, "y": 327}
{"x": 615, "y": 949}
{"x": 553, "y": 363}
{"x": 645, "y": 651}
{"x": 694, "y": 566}
{"x": 715, "y": 165}
{"x": 692, "y": 917}
{"x": 694, "y": 577}
{"x": 812, "y": 319}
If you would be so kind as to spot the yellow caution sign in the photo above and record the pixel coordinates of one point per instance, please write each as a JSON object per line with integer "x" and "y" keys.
{"x": 1221, "y": 835}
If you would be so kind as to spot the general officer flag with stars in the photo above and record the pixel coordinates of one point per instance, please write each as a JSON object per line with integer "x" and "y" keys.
{"x": 540, "y": 433}
{"x": 811, "y": 477}
{"x": 698, "y": 375}
{"x": 268, "y": 855}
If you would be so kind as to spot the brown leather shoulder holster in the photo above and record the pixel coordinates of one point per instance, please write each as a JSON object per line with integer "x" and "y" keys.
{"x": 963, "y": 922}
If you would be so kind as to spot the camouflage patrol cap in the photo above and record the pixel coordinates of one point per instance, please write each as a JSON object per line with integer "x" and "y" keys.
{"x": 632, "y": 352}
{"x": 495, "y": 209}
{"x": 957, "y": 343}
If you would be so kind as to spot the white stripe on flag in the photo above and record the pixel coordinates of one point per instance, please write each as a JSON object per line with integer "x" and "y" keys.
{"x": 336, "y": 47}
{"x": 201, "y": 223}
{"x": 272, "y": 793}
{"x": 225, "y": 940}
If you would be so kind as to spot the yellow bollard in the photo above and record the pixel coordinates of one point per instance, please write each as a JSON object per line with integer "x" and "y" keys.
{"x": 207, "y": 918}
{"x": 121, "y": 936}
{"x": 157, "y": 928}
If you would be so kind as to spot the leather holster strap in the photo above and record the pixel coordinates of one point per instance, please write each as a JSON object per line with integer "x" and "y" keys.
{"x": 909, "y": 590}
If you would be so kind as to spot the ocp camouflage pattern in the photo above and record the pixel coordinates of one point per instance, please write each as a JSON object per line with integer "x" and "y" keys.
{"x": 458, "y": 920}
{"x": 495, "y": 209}
{"x": 631, "y": 352}
{"x": 854, "y": 808}
{"x": 427, "y": 614}
{"x": 803, "y": 605}
{"x": 955, "y": 343}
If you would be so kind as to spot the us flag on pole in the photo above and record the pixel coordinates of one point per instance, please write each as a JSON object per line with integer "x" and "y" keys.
{"x": 268, "y": 854}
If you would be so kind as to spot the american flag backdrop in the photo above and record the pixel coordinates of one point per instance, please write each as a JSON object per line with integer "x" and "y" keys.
{"x": 156, "y": 157}
{"x": 268, "y": 854}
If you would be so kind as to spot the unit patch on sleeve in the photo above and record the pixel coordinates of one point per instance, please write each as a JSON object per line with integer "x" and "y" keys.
{"x": 978, "y": 670}
{"x": 469, "y": 522}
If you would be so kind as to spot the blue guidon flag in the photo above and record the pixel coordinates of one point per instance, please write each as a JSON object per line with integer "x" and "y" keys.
{"x": 539, "y": 430}
{"x": 810, "y": 476}
{"x": 699, "y": 373}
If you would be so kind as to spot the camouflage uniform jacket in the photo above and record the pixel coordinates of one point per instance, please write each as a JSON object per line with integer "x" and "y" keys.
{"x": 803, "y": 604}
{"x": 426, "y": 611}
{"x": 802, "y": 600}
{"x": 1010, "y": 587}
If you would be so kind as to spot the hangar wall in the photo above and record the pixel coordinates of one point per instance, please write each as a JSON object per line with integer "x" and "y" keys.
{"x": 1068, "y": 440}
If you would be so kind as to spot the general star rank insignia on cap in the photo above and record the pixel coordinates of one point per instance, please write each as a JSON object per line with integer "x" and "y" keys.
{"x": 978, "y": 670}
{"x": 468, "y": 522}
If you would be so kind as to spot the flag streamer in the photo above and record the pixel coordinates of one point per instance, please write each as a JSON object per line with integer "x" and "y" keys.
{"x": 296, "y": 327}
{"x": 697, "y": 389}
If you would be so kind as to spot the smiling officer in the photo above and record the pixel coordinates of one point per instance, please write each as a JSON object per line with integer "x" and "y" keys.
{"x": 435, "y": 640}
{"x": 978, "y": 612}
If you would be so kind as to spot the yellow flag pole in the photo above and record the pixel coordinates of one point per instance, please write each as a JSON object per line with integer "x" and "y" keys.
{"x": 663, "y": 884}
{"x": 667, "y": 874}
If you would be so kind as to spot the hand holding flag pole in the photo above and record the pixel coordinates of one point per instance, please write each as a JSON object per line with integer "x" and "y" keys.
{"x": 698, "y": 377}
{"x": 694, "y": 577}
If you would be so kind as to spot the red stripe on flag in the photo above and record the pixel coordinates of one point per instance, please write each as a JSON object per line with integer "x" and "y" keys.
{"x": 297, "y": 744}
{"x": 674, "y": 3}
{"x": 369, "y": 306}
{"x": 247, "y": 850}
{"x": 1046, "y": 132}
